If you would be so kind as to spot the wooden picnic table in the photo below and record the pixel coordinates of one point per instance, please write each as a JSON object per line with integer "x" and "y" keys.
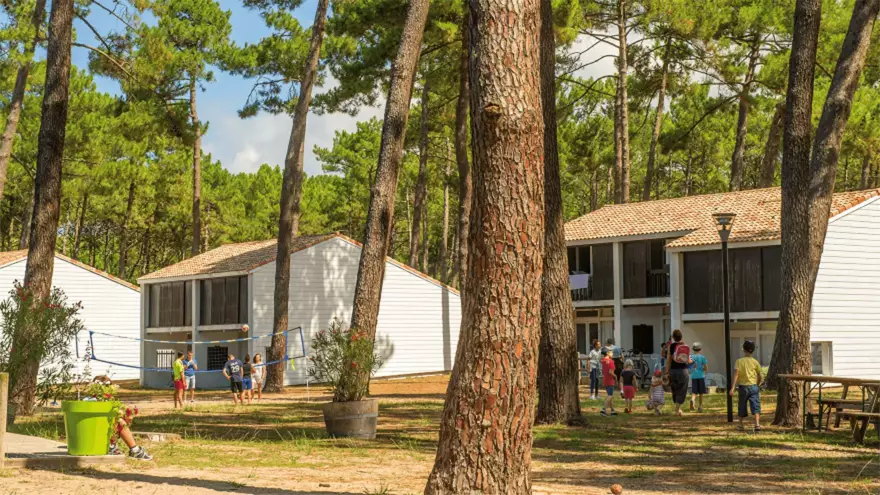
{"x": 869, "y": 401}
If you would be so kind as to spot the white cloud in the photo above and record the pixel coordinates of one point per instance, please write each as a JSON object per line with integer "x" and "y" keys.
{"x": 242, "y": 145}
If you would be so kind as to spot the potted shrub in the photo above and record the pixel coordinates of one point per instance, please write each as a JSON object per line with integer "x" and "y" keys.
{"x": 49, "y": 326}
{"x": 344, "y": 359}
{"x": 89, "y": 420}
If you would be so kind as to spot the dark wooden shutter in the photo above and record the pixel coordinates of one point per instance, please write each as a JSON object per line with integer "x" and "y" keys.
{"x": 231, "y": 303}
{"x": 583, "y": 255}
{"x": 187, "y": 303}
{"x": 771, "y": 275}
{"x": 218, "y": 298}
{"x": 572, "y": 259}
{"x": 178, "y": 306}
{"x": 635, "y": 269}
{"x": 745, "y": 280}
{"x": 702, "y": 282}
{"x": 242, "y": 300}
{"x": 205, "y": 290}
{"x": 602, "y": 279}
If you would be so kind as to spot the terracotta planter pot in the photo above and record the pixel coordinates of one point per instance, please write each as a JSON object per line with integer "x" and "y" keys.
{"x": 355, "y": 419}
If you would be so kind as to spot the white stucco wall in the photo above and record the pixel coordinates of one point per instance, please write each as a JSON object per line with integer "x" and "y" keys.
{"x": 108, "y": 307}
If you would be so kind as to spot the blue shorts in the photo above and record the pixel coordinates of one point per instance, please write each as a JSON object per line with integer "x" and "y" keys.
{"x": 698, "y": 386}
{"x": 749, "y": 394}
{"x": 609, "y": 389}
{"x": 247, "y": 383}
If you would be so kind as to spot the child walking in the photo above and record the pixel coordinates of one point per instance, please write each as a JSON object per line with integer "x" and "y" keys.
{"x": 595, "y": 366}
{"x": 177, "y": 369}
{"x": 608, "y": 379}
{"x": 656, "y": 399}
{"x": 247, "y": 382}
{"x": 699, "y": 368}
{"x": 746, "y": 379}
{"x": 259, "y": 372}
{"x": 629, "y": 382}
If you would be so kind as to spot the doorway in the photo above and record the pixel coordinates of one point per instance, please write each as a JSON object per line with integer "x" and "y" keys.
{"x": 643, "y": 339}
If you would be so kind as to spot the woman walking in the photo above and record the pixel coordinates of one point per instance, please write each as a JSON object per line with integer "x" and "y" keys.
{"x": 676, "y": 369}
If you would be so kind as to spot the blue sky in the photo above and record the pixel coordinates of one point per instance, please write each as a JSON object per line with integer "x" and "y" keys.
{"x": 240, "y": 145}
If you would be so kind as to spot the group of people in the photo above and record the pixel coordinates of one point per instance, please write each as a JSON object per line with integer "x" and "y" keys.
{"x": 680, "y": 365}
{"x": 245, "y": 379}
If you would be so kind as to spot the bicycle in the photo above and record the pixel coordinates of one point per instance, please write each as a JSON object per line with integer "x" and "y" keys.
{"x": 640, "y": 366}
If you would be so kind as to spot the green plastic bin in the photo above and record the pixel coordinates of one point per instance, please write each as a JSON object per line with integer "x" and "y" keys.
{"x": 87, "y": 424}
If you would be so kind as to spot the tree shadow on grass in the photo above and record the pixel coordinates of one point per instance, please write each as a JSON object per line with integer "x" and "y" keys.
{"x": 216, "y": 485}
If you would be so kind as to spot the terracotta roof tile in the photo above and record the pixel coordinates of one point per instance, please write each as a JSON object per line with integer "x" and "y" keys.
{"x": 757, "y": 217}
{"x": 233, "y": 258}
{"x": 13, "y": 256}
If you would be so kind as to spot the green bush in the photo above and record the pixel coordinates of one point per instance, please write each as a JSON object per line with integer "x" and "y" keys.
{"x": 42, "y": 331}
{"x": 344, "y": 358}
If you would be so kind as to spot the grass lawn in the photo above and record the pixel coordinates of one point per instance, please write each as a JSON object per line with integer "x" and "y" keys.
{"x": 279, "y": 446}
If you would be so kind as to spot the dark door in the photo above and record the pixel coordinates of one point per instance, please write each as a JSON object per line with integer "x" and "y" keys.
{"x": 582, "y": 338}
{"x": 594, "y": 332}
{"x": 643, "y": 338}
{"x": 635, "y": 270}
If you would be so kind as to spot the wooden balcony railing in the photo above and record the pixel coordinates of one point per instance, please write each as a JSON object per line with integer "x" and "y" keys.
{"x": 658, "y": 283}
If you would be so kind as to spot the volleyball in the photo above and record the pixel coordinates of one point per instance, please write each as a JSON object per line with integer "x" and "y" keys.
{"x": 245, "y": 328}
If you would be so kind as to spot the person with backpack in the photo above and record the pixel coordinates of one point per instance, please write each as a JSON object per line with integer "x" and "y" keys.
{"x": 677, "y": 370}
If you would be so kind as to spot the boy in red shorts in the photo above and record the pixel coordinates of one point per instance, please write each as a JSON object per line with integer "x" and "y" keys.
{"x": 179, "y": 384}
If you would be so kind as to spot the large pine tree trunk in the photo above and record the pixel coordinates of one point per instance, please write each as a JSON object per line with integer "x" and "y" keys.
{"x": 380, "y": 216}
{"x": 15, "y": 103}
{"x": 47, "y": 196}
{"x": 462, "y": 111}
{"x": 866, "y": 171}
{"x": 444, "y": 241}
{"x": 486, "y": 428}
{"x": 621, "y": 120}
{"x": 291, "y": 195}
{"x": 197, "y": 171}
{"x": 739, "y": 148}
{"x": 808, "y": 186}
{"x": 80, "y": 223}
{"x": 658, "y": 126}
{"x": 558, "y": 357}
{"x": 771, "y": 149}
{"x": 123, "y": 231}
{"x": 419, "y": 205}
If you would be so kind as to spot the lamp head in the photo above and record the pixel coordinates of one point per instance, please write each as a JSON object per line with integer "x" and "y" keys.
{"x": 724, "y": 224}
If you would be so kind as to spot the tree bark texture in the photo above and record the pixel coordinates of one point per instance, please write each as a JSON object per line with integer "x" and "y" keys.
{"x": 47, "y": 190}
{"x": 462, "y": 111}
{"x": 808, "y": 186}
{"x": 197, "y": 171}
{"x": 658, "y": 126}
{"x": 866, "y": 171}
{"x": 771, "y": 149}
{"x": 77, "y": 235}
{"x": 17, "y": 99}
{"x": 291, "y": 196}
{"x": 486, "y": 427}
{"x": 742, "y": 125}
{"x": 622, "y": 113}
{"x": 419, "y": 205}
{"x": 558, "y": 357}
{"x": 380, "y": 216}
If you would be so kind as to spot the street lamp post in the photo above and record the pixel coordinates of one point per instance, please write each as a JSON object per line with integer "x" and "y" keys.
{"x": 724, "y": 222}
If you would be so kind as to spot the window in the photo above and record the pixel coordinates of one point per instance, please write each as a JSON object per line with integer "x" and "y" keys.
{"x": 217, "y": 357}
{"x": 224, "y": 301}
{"x": 579, "y": 259}
{"x": 170, "y": 305}
{"x": 165, "y": 358}
{"x": 821, "y": 358}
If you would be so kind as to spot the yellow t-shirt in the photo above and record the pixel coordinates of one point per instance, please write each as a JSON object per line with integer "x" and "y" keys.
{"x": 177, "y": 369}
{"x": 748, "y": 368}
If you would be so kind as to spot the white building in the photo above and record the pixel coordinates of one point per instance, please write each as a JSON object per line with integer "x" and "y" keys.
{"x": 208, "y": 298}
{"x": 109, "y": 306}
{"x": 656, "y": 266}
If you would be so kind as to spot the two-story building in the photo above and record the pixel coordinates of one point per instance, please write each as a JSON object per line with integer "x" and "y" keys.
{"x": 656, "y": 266}
{"x": 207, "y": 298}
